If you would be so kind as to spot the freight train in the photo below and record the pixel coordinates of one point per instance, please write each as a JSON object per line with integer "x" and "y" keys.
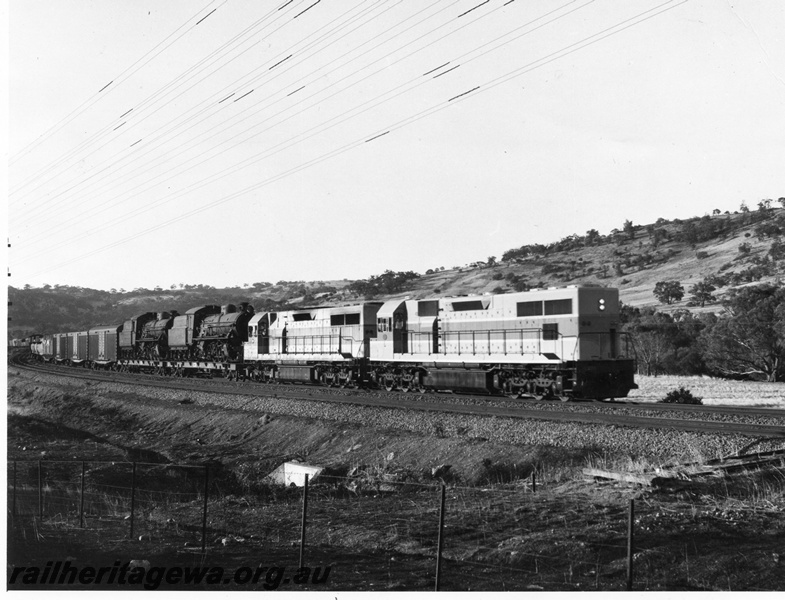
{"x": 560, "y": 343}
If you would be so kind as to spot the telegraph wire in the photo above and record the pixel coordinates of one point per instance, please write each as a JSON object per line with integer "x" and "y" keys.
{"x": 90, "y": 101}
{"x": 307, "y": 9}
{"x": 322, "y": 128}
{"x": 472, "y": 9}
{"x": 283, "y": 145}
{"x": 31, "y": 217}
{"x": 436, "y": 69}
{"x": 207, "y": 15}
{"x": 588, "y": 41}
{"x": 474, "y": 89}
{"x": 237, "y": 82}
{"x": 145, "y": 102}
{"x": 445, "y": 72}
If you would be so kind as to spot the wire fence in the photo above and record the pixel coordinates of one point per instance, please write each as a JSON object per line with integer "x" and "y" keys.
{"x": 390, "y": 534}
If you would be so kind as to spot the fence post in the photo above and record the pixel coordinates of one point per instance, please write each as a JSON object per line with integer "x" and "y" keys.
{"x": 133, "y": 498}
{"x": 40, "y": 492}
{"x": 534, "y": 482}
{"x": 204, "y": 512}
{"x": 305, "y": 516}
{"x": 630, "y": 522}
{"x": 440, "y": 540}
{"x": 13, "y": 502}
{"x": 81, "y": 499}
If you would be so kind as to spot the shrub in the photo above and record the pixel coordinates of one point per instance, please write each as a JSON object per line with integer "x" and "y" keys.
{"x": 681, "y": 396}
{"x": 700, "y": 255}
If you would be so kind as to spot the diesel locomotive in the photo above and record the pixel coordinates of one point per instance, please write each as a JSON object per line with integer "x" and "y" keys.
{"x": 553, "y": 343}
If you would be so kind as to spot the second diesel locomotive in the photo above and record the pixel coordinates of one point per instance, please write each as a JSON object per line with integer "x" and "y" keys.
{"x": 555, "y": 343}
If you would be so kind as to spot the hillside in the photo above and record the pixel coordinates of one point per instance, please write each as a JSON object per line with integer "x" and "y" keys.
{"x": 722, "y": 250}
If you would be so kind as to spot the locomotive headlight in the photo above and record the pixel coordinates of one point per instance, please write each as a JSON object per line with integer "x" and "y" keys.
{"x": 602, "y": 304}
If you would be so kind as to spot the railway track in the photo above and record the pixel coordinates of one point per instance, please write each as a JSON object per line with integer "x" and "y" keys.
{"x": 708, "y": 419}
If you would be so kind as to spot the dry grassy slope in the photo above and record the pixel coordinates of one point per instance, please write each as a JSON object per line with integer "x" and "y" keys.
{"x": 678, "y": 261}
{"x": 636, "y": 284}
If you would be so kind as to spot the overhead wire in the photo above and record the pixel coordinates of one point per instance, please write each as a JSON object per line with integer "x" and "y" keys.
{"x": 372, "y": 103}
{"x": 209, "y": 105}
{"x": 158, "y": 95}
{"x": 118, "y": 78}
{"x": 387, "y": 64}
{"x": 316, "y": 73}
{"x": 256, "y": 157}
{"x": 567, "y": 50}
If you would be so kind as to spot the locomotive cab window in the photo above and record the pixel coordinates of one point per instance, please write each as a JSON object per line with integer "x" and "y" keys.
{"x": 428, "y": 308}
{"x": 558, "y": 307}
{"x": 550, "y": 331}
{"x": 301, "y": 316}
{"x": 349, "y": 319}
{"x": 529, "y": 309}
{"x": 469, "y": 305}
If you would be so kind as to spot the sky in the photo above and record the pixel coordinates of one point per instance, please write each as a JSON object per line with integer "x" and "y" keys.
{"x": 227, "y": 142}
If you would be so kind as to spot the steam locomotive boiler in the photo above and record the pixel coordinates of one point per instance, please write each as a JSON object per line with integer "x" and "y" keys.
{"x": 146, "y": 336}
{"x": 210, "y": 333}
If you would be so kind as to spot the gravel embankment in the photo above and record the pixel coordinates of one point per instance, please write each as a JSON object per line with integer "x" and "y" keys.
{"x": 635, "y": 441}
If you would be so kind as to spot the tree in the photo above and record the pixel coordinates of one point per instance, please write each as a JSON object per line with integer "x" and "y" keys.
{"x": 668, "y": 292}
{"x": 764, "y": 205}
{"x": 592, "y": 237}
{"x": 701, "y": 293}
{"x": 629, "y": 229}
{"x": 749, "y": 338}
{"x": 652, "y": 336}
{"x": 491, "y": 261}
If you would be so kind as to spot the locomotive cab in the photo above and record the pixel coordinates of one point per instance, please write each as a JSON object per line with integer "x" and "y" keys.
{"x": 391, "y": 328}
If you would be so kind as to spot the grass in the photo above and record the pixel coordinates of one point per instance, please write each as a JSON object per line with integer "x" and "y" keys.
{"x": 379, "y": 528}
{"x": 713, "y": 391}
{"x": 565, "y": 536}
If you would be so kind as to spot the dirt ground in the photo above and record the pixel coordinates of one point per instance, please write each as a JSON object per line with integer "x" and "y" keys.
{"x": 372, "y": 518}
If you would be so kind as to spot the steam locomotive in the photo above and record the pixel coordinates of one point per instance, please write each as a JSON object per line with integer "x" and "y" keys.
{"x": 557, "y": 343}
